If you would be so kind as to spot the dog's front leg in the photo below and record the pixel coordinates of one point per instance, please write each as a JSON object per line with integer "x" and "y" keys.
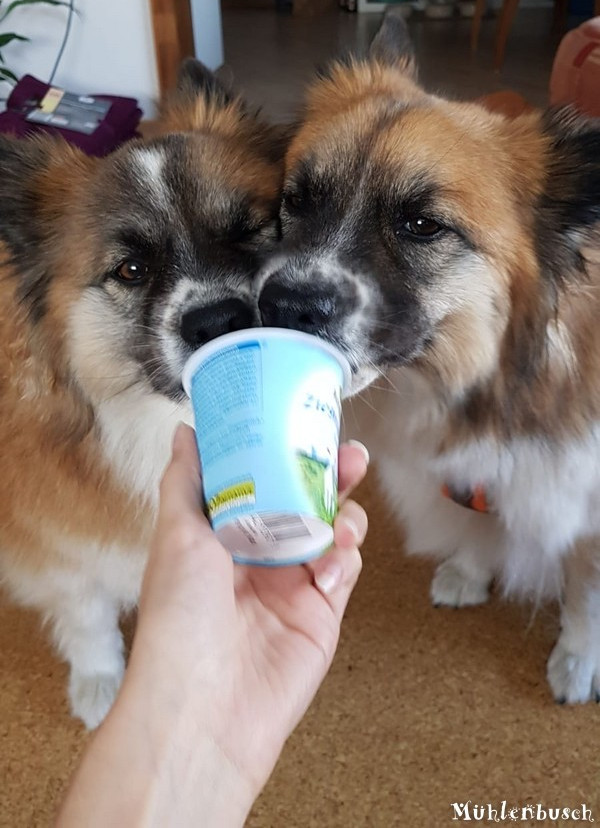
{"x": 464, "y": 579}
{"x": 574, "y": 664}
{"x": 85, "y": 630}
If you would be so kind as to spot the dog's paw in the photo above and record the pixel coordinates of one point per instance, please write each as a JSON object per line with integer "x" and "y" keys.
{"x": 91, "y": 697}
{"x": 451, "y": 587}
{"x": 573, "y": 677}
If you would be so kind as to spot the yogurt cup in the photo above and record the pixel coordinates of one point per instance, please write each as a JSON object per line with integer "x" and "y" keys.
{"x": 267, "y": 405}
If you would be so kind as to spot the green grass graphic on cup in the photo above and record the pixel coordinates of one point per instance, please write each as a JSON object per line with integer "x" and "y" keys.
{"x": 313, "y": 473}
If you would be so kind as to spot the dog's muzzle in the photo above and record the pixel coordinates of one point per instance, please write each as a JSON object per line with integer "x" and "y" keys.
{"x": 305, "y": 309}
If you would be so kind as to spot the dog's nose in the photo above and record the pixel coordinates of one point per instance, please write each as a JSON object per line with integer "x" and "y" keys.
{"x": 304, "y": 309}
{"x": 200, "y": 325}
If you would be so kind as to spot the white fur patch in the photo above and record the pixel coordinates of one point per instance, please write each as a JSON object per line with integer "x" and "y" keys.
{"x": 137, "y": 428}
{"x": 149, "y": 162}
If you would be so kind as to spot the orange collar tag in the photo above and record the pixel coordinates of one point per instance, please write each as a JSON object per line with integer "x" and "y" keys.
{"x": 475, "y": 498}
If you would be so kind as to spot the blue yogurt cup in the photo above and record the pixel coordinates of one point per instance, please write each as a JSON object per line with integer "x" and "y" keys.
{"x": 267, "y": 407}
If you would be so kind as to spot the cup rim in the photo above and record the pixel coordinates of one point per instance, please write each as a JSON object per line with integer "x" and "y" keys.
{"x": 229, "y": 339}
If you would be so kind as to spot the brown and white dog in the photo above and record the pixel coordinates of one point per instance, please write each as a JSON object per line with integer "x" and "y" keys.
{"x": 112, "y": 272}
{"x": 455, "y": 256}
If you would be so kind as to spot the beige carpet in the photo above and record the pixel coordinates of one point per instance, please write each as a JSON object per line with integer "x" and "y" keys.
{"x": 422, "y": 708}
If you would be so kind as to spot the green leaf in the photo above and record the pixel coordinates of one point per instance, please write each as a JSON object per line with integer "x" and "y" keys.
{"x": 9, "y": 37}
{"x": 7, "y": 75}
{"x": 17, "y": 3}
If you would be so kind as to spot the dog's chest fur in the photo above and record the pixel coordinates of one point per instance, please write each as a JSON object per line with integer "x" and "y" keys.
{"x": 543, "y": 494}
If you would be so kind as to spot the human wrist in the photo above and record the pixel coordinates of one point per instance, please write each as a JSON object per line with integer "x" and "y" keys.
{"x": 147, "y": 768}
{"x": 175, "y": 702}
{"x": 191, "y": 773}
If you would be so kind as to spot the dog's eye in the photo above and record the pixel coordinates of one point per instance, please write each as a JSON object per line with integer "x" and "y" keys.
{"x": 422, "y": 226}
{"x": 293, "y": 201}
{"x": 131, "y": 272}
{"x": 242, "y": 232}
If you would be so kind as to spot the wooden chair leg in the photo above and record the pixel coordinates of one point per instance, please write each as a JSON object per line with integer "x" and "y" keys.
{"x": 507, "y": 15}
{"x": 476, "y": 23}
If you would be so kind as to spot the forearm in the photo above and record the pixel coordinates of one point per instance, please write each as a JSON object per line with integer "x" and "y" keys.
{"x": 138, "y": 774}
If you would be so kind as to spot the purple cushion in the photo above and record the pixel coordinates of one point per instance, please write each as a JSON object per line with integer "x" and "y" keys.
{"x": 119, "y": 124}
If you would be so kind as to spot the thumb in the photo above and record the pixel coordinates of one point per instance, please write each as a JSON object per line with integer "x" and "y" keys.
{"x": 182, "y": 532}
{"x": 185, "y": 556}
{"x": 180, "y": 488}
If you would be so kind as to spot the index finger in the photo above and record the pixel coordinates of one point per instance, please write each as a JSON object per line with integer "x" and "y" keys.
{"x": 353, "y": 460}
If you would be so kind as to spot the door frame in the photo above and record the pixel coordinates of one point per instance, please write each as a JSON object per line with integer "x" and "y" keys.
{"x": 173, "y": 38}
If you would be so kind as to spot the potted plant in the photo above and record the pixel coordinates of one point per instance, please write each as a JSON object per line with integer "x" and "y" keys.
{"x": 6, "y": 37}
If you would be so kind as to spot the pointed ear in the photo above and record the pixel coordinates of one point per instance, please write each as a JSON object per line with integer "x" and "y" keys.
{"x": 569, "y": 208}
{"x": 392, "y": 44}
{"x": 197, "y": 98}
{"x": 195, "y": 79}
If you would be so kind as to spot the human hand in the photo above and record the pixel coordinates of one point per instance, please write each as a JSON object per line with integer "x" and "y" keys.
{"x": 225, "y": 661}
{"x": 242, "y": 649}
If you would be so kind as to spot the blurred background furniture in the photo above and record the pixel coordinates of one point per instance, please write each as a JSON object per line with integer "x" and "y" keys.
{"x": 505, "y": 21}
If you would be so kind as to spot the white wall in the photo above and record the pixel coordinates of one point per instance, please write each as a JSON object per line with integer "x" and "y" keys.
{"x": 208, "y": 37}
{"x": 110, "y": 48}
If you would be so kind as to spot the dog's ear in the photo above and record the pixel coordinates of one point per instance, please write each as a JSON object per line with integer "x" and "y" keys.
{"x": 198, "y": 97}
{"x": 392, "y": 45}
{"x": 202, "y": 102}
{"x": 20, "y": 162}
{"x": 569, "y": 206}
{"x": 194, "y": 79}
{"x": 37, "y": 177}
{"x": 558, "y": 169}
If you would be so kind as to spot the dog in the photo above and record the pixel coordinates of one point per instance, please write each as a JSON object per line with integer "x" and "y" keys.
{"x": 113, "y": 272}
{"x": 453, "y": 254}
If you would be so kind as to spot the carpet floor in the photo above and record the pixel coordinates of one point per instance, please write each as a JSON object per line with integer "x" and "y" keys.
{"x": 422, "y": 708}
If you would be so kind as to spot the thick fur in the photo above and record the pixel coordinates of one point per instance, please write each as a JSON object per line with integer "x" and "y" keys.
{"x": 459, "y": 252}
{"x": 90, "y": 363}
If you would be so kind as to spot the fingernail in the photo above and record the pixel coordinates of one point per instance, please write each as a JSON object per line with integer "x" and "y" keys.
{"x": 329, "y": 579}
{"x": 361, "y": 446}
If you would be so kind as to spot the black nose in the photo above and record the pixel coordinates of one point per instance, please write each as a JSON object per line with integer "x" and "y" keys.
{"x": 304, "y": 309}
{"x": 200, "y": 325}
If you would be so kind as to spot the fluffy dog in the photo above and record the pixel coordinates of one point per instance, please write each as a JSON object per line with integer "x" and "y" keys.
{"x": 455, "y": 255}
{"x": 113, "y": 271}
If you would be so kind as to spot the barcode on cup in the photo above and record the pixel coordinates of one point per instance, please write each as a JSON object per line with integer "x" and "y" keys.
{"x": 284, "y": 527}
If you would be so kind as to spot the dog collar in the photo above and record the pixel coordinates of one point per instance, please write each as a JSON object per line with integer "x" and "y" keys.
{"x": 474, "y": 498}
